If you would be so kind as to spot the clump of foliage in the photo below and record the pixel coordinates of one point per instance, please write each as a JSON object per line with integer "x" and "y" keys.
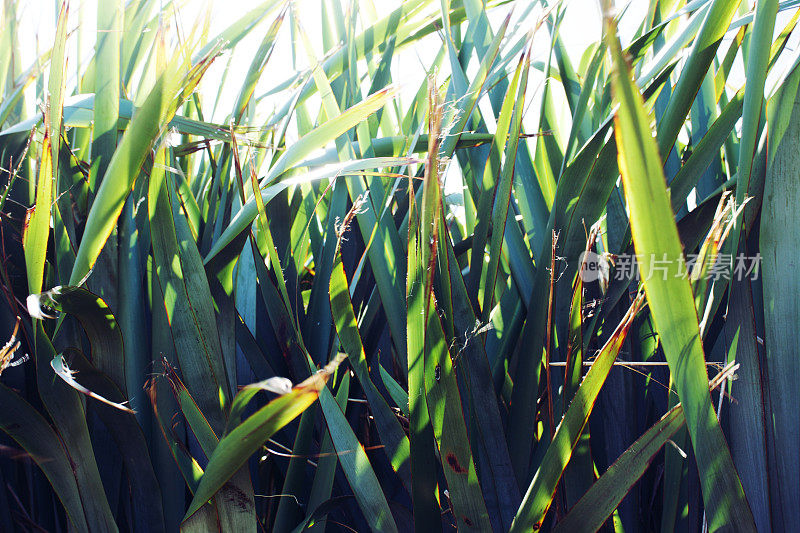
{"x": 289, "y": 320}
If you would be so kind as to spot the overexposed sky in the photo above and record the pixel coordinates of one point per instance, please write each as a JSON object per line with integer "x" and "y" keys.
{"x": 581, "y": 27}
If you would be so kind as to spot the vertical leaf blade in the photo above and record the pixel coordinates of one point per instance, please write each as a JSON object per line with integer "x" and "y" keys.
{"x": 669, "y": 295}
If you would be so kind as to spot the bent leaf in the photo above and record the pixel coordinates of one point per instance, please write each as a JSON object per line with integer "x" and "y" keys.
{"x": 237, "y": 446}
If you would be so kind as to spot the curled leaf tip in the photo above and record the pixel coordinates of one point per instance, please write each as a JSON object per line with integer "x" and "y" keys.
{"x": 277, "y": 384}
{"x": 62, "y": 370}
{"x": 35, "y": 307}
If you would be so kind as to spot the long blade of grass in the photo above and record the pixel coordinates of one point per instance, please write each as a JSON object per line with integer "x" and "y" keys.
{"x": 68, "y": 415}
{"x": 187, "y": 298}
{"x": 37, "y": 229}
{"x": 391, "y": 434}
{"x": 243, "y": 441}
{"x": 500, "y": 210}
{"x": 703, "y": 51}
{"x": 670, "y": 296}
{"x": 148, "y": 123}
{"x": 423, "y": 461}
{"x": 31, "y": 431}
{"x": 599, "y": 502}
{"x": 106, "y": 88}
{"x": 778, "y": 243}
{"x": 129, "y": 438}
{"x": 357, "y": 468}
{"x": 542, "y": 489}
{"x": 447, "y": 419}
